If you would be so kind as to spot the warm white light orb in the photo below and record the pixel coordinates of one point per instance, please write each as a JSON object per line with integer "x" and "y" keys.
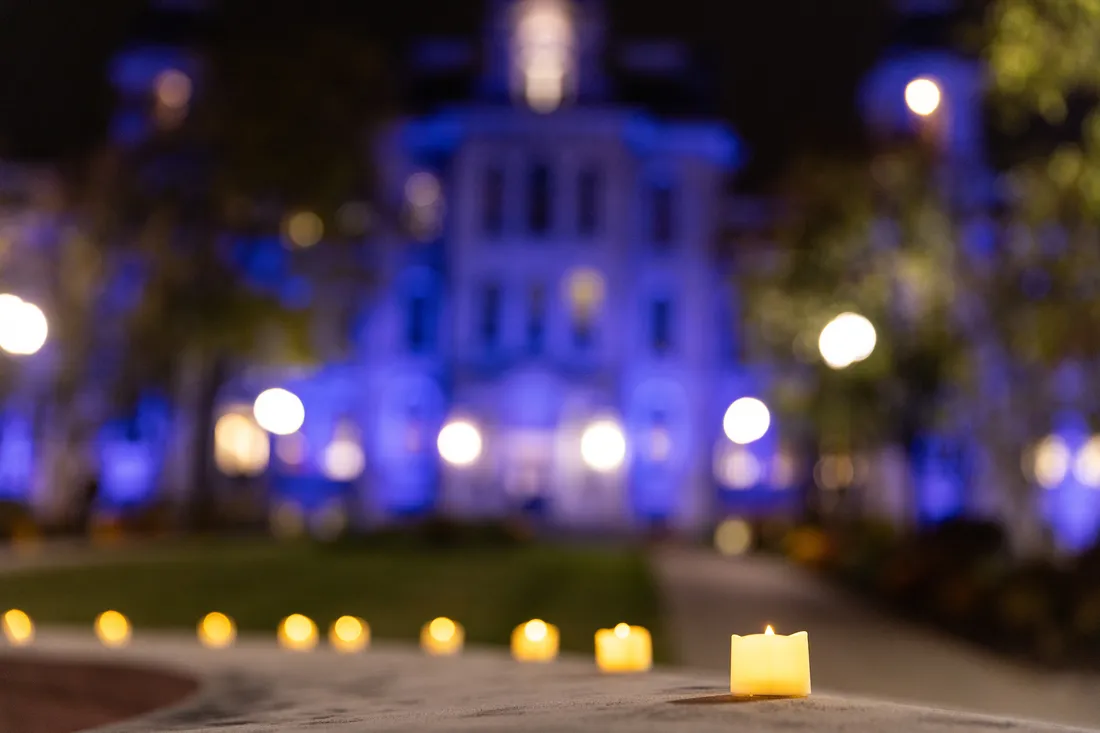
{"x": 923, "y": 96}
{"x": 603, "y": 446}
{"x": 733, "y": 537}
{"x": 737, "y": 468}
{"x": 304, "y": 229}
{"x": 173, "y": 88}
{"x": 23, "y": 326}
{"x": 847, "y": 339}
{"x": 1086, "y": 466}
{"x": 1052, "y": 461}
{"x": 343, "y": 460}
{"x": 459, "y": 443}
{"x": 241, "y": 447}
{"x": 423, "y": 190}
{"x": 279, "y": 412}
{"x": 746, "y": 421}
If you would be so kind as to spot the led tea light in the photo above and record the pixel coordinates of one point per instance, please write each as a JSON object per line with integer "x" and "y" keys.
{"x": 770, "y": 664}
{"x": 535, "y": 641}
{"x": 217, "y": 631}
{"x": 18, "y": 627}
{"x": 442, "y": 637}
{"x": 624, "y": 649}
{"x": 297, "y": 633}
{"x": 349, "y": 634}
{"x": 113, "y": 629}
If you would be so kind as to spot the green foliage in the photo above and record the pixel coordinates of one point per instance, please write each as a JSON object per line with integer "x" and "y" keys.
{"x": 1045, "y": 61}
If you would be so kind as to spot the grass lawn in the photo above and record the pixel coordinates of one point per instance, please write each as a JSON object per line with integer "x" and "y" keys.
{"x": 395, "y": 588}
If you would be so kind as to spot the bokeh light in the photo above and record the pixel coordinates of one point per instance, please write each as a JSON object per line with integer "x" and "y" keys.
{"x": 746, "y": 420}
{"x": 343, "y": 459}
{"x": 733, "y": 537}
{"x": 585, "y": 290}
{"x": 737, "y": 468}
{"x": 835, "y": 472}
{"x": 330, "y": 521}
{"x": 1086, "y": 466}
{"x": 459, "y": 443}
{"x": 922, "y": 96}
{"x": 18, "y": 627}
{"x": 113, "y": 629}
{"x": 217, "y": 631}
{"x": 423, "y": 190}
{"x": 304, "y": 229}
{"x": 847, "y": 339}
{"x": 349, "y": 634}
{"x": 173, "y": 89}
{"x": 287, "y": 520}
{"x": 535, "y": 630}
{"x": 297, "y": 633}
{"x": 241, "y": 446}
{"x": 23, "y": 326}
{"x": 1052, "y": 461}
{"x": 279, "y": 412}
{"x": 603, "y": 446}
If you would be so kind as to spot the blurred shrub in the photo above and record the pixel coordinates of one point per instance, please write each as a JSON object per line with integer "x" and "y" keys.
{"x": 437, "y": 533}
{"x": 15, "y": 520}
{"x": 809, "y": 546}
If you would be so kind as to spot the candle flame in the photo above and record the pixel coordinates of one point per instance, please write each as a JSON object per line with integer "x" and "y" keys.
{"x": 442, "y": 629}
{"x": 769, "y": 631}
{"x": 535, "y": 630}
{"x": 622, "y": 631}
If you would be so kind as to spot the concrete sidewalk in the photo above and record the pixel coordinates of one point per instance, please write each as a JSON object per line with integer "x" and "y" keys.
{"x": 255, "y": 687}
{"x": 853, "y": 650}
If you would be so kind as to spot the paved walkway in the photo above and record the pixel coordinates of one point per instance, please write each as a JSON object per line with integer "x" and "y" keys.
{"x": 852, "y": 649}
{"x": 256, "y": 688}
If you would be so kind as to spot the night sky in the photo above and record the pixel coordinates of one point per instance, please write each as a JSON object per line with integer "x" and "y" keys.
{"x": 788, "y": 69}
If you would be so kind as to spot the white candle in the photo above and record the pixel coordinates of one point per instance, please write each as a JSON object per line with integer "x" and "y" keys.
{"x": 770, "y": 664}
{"x": 624, "y": 649}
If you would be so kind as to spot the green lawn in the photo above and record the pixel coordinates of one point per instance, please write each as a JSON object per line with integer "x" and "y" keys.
{"x": 396, "y": 589}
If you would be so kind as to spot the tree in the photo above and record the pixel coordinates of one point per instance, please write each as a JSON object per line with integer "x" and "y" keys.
{"x": 276, "y": 124}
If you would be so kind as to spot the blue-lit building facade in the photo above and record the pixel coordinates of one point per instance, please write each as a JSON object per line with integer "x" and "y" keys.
{"x": 552, "y": 329}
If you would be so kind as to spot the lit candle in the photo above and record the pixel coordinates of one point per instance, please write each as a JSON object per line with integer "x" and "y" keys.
{"x": 624, "y": 649}
{"x": 349, "y": 634}
{"x": 770, "y": 664}
{"x": 217, "y": 631}
{"x": 442, "y": 637}
{"x": 297, "y": 633}
{"x": 113, "y": 629}
{"x": 535, "y": 641}
{"x": 18, "y": 628}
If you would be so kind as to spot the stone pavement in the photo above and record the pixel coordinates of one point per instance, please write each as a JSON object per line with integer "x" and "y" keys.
{"x": 853, "y": 650}
{"x": 257, "y": 688}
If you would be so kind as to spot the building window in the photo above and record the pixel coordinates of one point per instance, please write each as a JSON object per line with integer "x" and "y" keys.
{"x": 489, "y": 324}
{"x": 416, "y": 327}
{"x": 492, "y": 215}
{"x": 660, "y": 325}
{"x": 539, "y": 202}
{"x": 536, "y": 319}
{"x": 662, "y": 215}
{"x": 588, "y": 193}
{"x": 585, "y": 294}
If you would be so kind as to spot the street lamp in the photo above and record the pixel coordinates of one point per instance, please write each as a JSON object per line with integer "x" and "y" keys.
{"x": 847, "y": 339}
{"x": 923, "y": 96}
{"x": 23, "y": 326}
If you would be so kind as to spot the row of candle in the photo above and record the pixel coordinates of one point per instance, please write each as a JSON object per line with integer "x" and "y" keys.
{"x": 765, "y": 664}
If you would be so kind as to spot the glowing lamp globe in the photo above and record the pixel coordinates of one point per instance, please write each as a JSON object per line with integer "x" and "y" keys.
{"x": 279, "y": 412}
{"x": 746, "y": 421}
{"x": 459, "y": 443}
{"x": 23, "y": 326}
{"x": 603, "y": 446}
{"x": 847, "y": 339}
{"x": 923, "y": 96}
